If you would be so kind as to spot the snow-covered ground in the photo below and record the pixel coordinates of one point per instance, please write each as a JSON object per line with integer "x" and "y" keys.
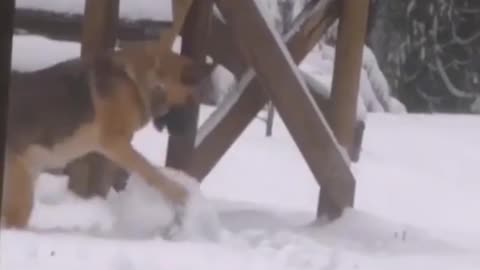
{"x": 416, "y": 202}
{"x": 417, "y": 195}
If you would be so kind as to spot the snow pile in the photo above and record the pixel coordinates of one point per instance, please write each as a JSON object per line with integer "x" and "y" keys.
{"x": 137, "y": 212}
{"x": 374, "y": 89}
{"x": 141, "y": 211}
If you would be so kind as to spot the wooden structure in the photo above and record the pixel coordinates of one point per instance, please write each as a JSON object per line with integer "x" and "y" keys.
{"x": 265, "y": 65}
{"x": 194, "y": 45}
{"x": 7, "y": 8}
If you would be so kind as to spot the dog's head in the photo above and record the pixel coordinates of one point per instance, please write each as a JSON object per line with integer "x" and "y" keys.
{"x": 178, "y": 81}
{"x": 171, "y": 82}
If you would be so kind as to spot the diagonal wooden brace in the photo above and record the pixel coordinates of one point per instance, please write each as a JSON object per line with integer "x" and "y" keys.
{"x": 226, "y": 124}
{"x": 277, "y": 73}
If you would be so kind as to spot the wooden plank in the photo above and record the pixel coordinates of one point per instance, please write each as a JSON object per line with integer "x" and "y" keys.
{"x": 226, "y": 124}
{"x": 276, "y": 71}
{"x": 87, "y": 174}
{"x": 7, "y": 10}
{"x": 194, "y": 45}
{"x": 346, "y": 75}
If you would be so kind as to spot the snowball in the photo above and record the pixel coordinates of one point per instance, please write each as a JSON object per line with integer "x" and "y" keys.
{"x": 142, "y": 211}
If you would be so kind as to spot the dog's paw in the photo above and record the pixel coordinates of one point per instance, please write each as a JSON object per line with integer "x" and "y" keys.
{"x": 176, "y": 193}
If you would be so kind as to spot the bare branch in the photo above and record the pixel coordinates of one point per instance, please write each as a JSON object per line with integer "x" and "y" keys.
{"x": 448, "y": 83}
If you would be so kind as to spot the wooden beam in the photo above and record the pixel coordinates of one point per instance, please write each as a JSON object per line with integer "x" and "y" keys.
{"x": 7, "y": 10}
{"x": 321, "y": 94}
{"x": 226, "y": 124}
{"x": 99, "y": 27}
{"x": 222, "y": 48}
{"x": 68, "y": 27}
{"x": 194, "y": 44}
{"x": 277, "y": 73}
{"x": 346, "y": 75}
{"x": 88, "y": 174}
{"x": 180, "y": 11}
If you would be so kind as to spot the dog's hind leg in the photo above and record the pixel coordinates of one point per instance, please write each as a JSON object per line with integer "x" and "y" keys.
{"x": 18, "y": 193}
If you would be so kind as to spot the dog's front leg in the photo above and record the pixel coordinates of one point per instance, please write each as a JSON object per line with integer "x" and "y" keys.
{"x": 127, "y": 157}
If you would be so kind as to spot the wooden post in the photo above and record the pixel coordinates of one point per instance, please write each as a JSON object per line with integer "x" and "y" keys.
{"x": 276, "y": 71}
{"x": 194, "y": 44}
{"x": 99, "y": 27}
{"x": 346, "y": 76}
{"x": 7, "y": 10}
{"x": 93, "y": 174}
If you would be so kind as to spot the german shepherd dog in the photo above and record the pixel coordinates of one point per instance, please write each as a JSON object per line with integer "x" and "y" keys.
{"x": 77, "y": 107}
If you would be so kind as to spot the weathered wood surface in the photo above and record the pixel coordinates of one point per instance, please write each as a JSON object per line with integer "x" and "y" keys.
{"x": 278, "y": 75}
{"x": 194, "y": 44}
{"x": 221, "y": 130}
{"x": 322, "y": 98}
{"x": 7, "y": 8}
{"x": 99, "y": 29}
{"x": 346, "y": 75}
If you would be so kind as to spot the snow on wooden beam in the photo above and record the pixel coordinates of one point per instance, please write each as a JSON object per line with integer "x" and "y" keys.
{"x": 278, "y": 75}
{"x": 241, "y": 106}
{"x": 352, "y": 30}
{"x": 7, "y": 8}
{"x": 194, "y": 44}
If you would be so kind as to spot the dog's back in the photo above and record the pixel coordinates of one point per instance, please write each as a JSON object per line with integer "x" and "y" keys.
{"x": 48, "y": 105}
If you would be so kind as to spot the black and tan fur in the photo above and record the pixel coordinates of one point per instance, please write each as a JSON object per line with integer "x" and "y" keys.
{"x": 73, "y": 108}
